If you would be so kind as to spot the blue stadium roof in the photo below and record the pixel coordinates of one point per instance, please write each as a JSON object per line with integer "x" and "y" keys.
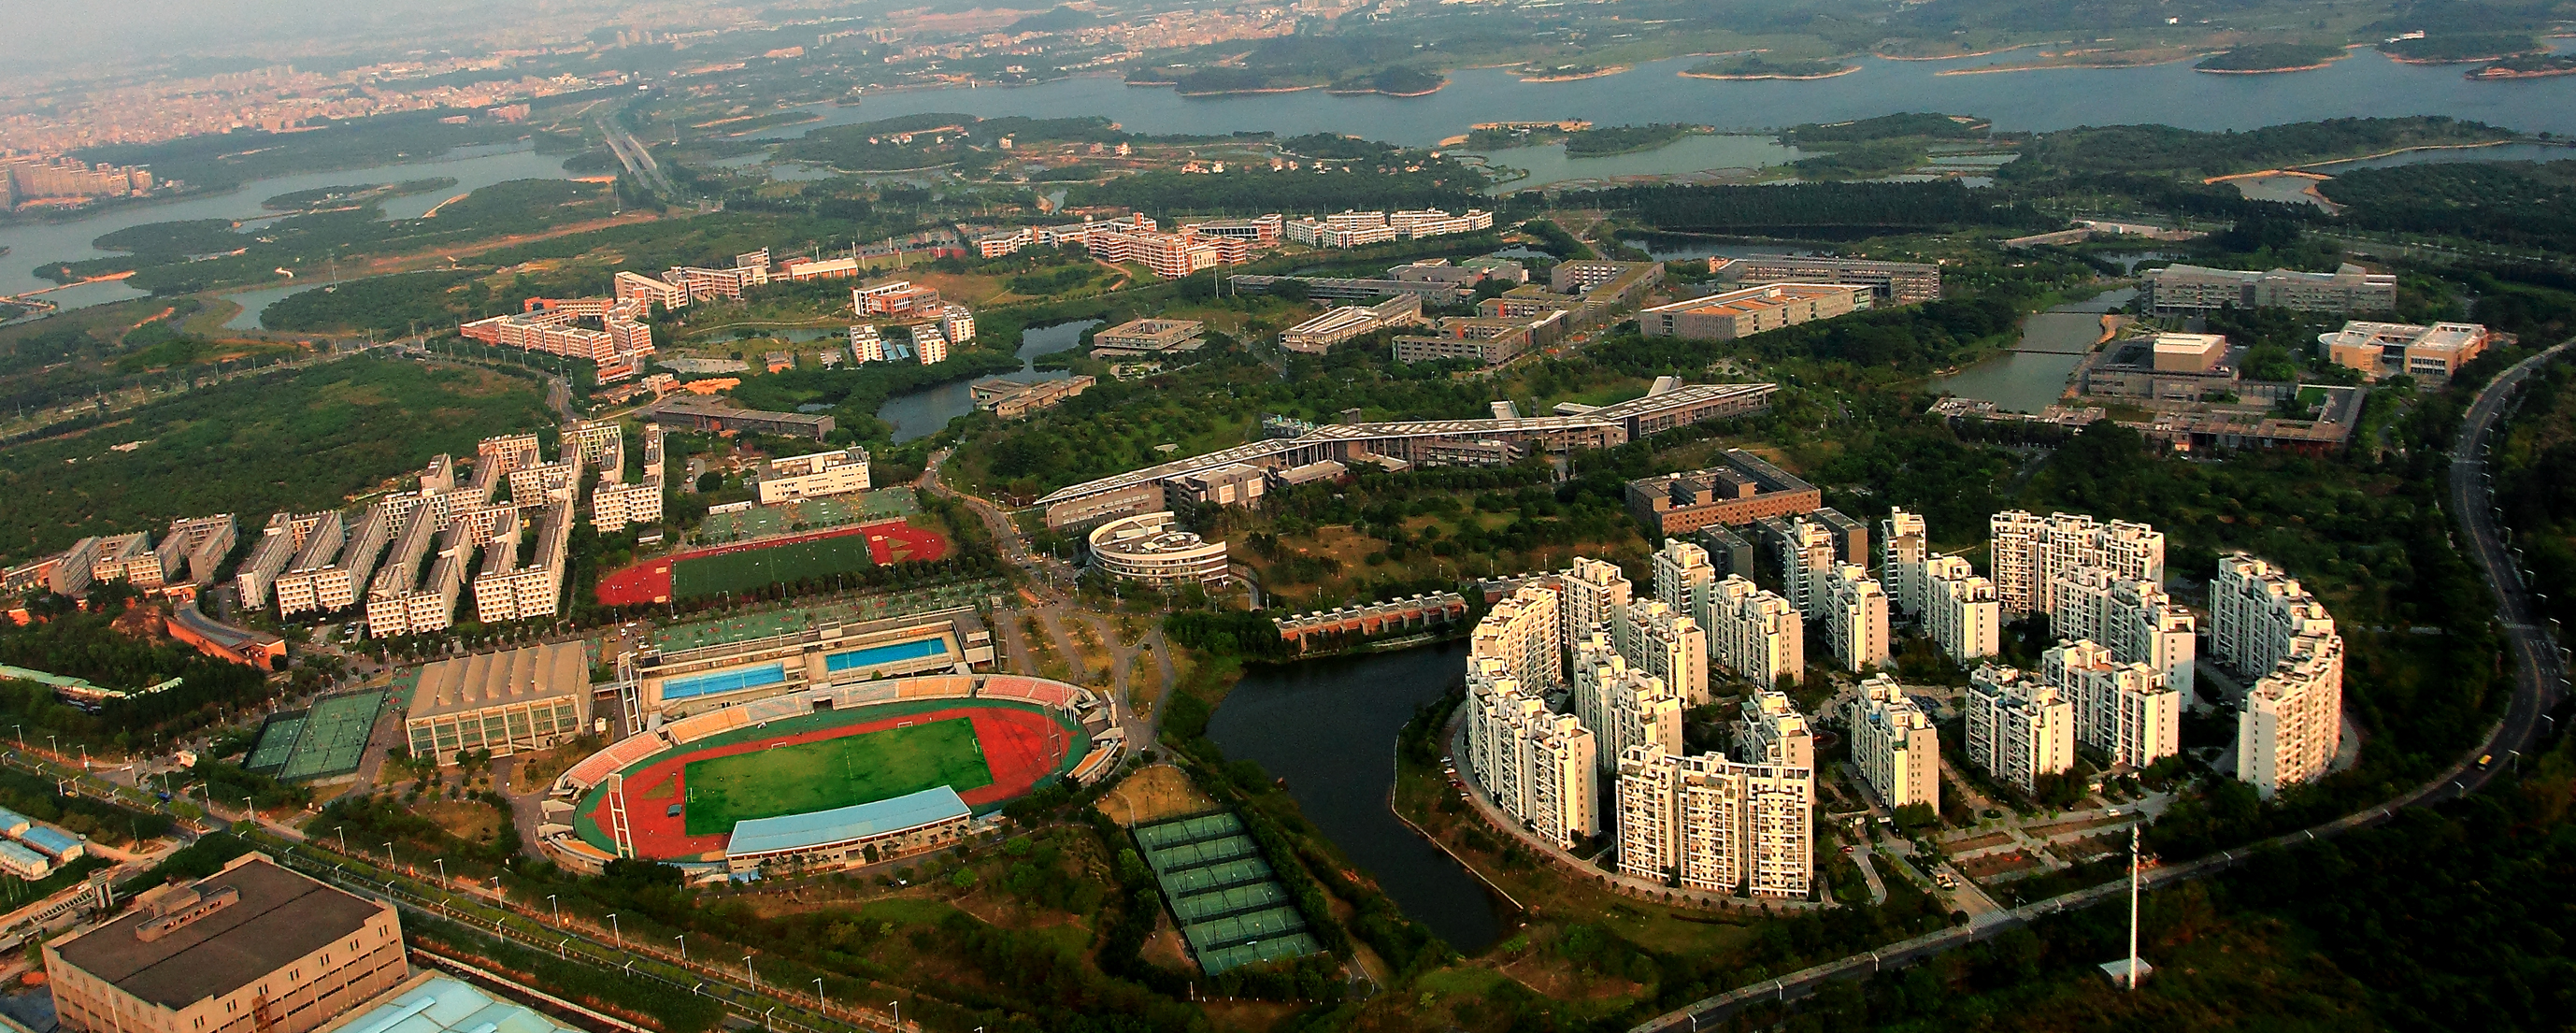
{"x": 843, "y": 824}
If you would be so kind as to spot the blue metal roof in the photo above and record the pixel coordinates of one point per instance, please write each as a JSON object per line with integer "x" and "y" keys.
{"x": 843, "y": 824}
{"x": 53, "y": 841}
{"x": 12, "y": 822}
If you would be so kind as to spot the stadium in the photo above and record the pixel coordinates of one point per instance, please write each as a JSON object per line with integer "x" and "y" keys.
{"x": 829, "y": 777}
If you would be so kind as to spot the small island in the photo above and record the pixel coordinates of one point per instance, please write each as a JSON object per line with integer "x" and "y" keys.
{"x": 337, "y": 197}
{"x": 2462, "y": 48}
{"x": 2528, "y": 66}
{"x": 1601, "y": 143}
{"x": 1399, "y": 81}
{"x": 1755, "y": 66}
{"x": 1568, "y": 73}
{"x": 2268, "y": 58}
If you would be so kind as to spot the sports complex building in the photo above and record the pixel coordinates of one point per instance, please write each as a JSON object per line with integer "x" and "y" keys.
{"x": 826, "y": 776}
{"x": 665, "y": 682}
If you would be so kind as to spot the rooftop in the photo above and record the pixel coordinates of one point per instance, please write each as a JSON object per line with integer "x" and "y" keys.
{"x": 844, "y": 824}
{"x": 491, "y": 679}
{"x": 280, "y": 916}
{"x": 432, "y": 1003}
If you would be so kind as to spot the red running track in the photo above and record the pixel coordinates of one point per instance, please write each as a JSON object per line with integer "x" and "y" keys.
{"x": 650, "y": 581}
{"x": 1017, "y": 752}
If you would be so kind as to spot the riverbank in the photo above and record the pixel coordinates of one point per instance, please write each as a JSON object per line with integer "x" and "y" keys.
{"x": 2265, "y": 71}
{"x": 2052, "y": 66}
{"x": 1601, "y": 73}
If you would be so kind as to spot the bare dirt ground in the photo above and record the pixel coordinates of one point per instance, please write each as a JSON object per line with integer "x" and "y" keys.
{"x": 1152, "y": 794}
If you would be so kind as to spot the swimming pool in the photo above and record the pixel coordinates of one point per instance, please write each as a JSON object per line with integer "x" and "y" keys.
{"x": 724, "y": 681}
{"x": 875, "y": 655}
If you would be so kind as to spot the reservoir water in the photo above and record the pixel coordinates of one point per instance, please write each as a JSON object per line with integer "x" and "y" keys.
{"x": 2365, "y": 84}
{"x": 35, "y": 244}
{"x": 922, "y": 413}
{"x": 2033, "y": 375}
{"x": 1329, "y": 727}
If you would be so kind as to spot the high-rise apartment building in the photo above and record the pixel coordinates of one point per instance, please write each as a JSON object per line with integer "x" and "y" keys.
{"x": 2123, "y": 709}
{"x": 1596, "y": 593}
{"x": 1961, "y": 609}
{"x": 2030, "y": 553}
{"x": 1522, "y": 632}
{"x": 1667, "y": 644}
{"x": 1774, "y": 732}
{"x": 1683, "y": 576}
{"x": 1855, "y": 616}
{"x": 1538, "y": 766}
{"x": 2135, "y": 619}
{"x": 1755, "y": 633}
{"x": 2266, "y": 626}
{"x": 1893, "y": 744}
{"x": 1714, "y": 825}
{"x": 1906, "y": 547}
{"x": 1622, "y": 706}
{"x": 2016, "y": 729}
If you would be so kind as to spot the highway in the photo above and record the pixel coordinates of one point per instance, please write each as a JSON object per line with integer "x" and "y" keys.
{"x": 2539, "y": 680}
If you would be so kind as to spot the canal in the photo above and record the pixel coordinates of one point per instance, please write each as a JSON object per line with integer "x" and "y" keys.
{"x": 1329, "y": 728}
{"x": 923, "y": 413}
{"x": 2033, "y": 375}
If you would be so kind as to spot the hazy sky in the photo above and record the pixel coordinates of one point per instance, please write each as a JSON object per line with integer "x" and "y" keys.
{"x": 52, "y": 34}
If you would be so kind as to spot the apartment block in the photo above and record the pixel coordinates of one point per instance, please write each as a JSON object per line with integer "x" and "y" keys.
{"x": 1522, "y": 633}
{"x": 1773, "y": 732}
{"x": 1714, "y": 825}
{"x": 198, "y": 543}
{"x": 1893, "y": 744}
{"x": 2136, "y": 620}
{"x": 1684, "y": 577}
{"x": 129, "y": 558}
{"x": 1593, "y": 595}
{"x": 614, "y": 507}
{"x": 1538, "y": 766}
{"x": 2264, "y": 625}
{"x": 2016, "y": 729}
{"x": 2124, "y": 710}
{"x": 1905, "y": 547}
{"x": 1962, "y": 611}
{"x": 1667, "y": 644}
{"x": 1754, "y": 633}
{"x": 2030, "y": 553}
{"x": 709, "y": 284}
{"x": 1854, "y": 610}
{"x": 1621, "y": 705}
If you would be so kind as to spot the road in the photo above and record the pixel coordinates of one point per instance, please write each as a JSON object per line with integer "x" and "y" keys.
{"x": 2539, "y": 677}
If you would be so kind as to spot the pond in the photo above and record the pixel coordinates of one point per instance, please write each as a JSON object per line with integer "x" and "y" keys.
{"x": 1329, "y": 727}
{"x": 923, "y": 413}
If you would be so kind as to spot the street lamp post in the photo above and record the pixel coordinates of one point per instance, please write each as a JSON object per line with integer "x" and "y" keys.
{"x": 343, "y": 832}
{"x": 550, "y": 901}
{"x": 683, "y": 939}
{"x": 389, "y": 854}
{"x": 614, "y": 931}
{"x": 752, "y": 972}
{"x": 819, "y": 1002}
{"x": 441, "y": 862}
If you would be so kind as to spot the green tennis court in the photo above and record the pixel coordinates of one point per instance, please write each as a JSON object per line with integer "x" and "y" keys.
{"x": 816, "y": 776}
{"x": 761, "y": 568}
{"x": 335, "y": 736}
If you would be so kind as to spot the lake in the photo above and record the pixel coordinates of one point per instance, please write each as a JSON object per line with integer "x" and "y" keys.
{"x": 924, "y": 412}
{"x": 43, "y": 243}
{"x": 1549, "y": 164}
{"x": 2033, "y": 376}
{"x": 1329, "y": 728}
{"x": 2365, "y": 84}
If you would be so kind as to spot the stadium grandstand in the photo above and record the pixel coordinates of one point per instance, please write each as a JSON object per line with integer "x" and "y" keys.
{"x": 829, "y": 776}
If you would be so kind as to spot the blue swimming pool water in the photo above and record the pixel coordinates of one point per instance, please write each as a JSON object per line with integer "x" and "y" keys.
{"x": 874, "y": 655}
{"x": 724, "y": 681}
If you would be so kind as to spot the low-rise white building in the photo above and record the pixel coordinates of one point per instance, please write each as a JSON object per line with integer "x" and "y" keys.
{"x": 814, "y": 475}
{"x": 1151, "y": 548}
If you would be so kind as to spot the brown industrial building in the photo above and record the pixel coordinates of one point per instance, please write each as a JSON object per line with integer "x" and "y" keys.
{"x": 251, "y": 947}
{"x": 1745, "y": 489}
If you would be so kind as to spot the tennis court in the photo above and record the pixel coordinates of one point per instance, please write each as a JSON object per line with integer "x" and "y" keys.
{"x": 323, "y": 742}
{"x": 836, "y": 772}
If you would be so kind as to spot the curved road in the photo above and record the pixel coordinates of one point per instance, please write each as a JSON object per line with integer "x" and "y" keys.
{"x": 2539, "y": 678}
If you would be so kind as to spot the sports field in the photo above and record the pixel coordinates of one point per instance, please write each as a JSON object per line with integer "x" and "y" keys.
{"x": 819, "y": 776}
{"x": 760, "y": 568}
{"x": 761, "y": 562}
{"x": 325, "y": 741}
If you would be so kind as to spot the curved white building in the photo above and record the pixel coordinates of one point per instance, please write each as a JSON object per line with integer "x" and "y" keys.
{"x": 1148, "y": 548}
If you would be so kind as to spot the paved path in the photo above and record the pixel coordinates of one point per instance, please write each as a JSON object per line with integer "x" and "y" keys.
{"x": 2539, "y": 677}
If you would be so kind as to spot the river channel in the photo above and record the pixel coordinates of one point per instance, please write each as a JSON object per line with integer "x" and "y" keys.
{"x": 2033, "y": 375}
{"x": 1329, "y": 728}
{"x": 922, "y": 413}
{"x": 34, "y": 244}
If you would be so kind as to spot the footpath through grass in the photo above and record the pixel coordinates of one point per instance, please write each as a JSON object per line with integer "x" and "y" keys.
{"x": 838, "y": 772}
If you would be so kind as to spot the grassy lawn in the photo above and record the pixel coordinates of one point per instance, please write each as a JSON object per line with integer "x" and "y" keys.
{"x": 819, "y": 776}
{"x": 738, "y": 571}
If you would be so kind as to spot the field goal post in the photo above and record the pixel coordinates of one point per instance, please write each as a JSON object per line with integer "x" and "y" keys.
{"x": 619, "y": 833}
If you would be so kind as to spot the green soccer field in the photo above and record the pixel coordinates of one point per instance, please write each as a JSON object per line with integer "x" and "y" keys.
{"x": 760, "y": 568}
{"x": 839, "y": 772}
